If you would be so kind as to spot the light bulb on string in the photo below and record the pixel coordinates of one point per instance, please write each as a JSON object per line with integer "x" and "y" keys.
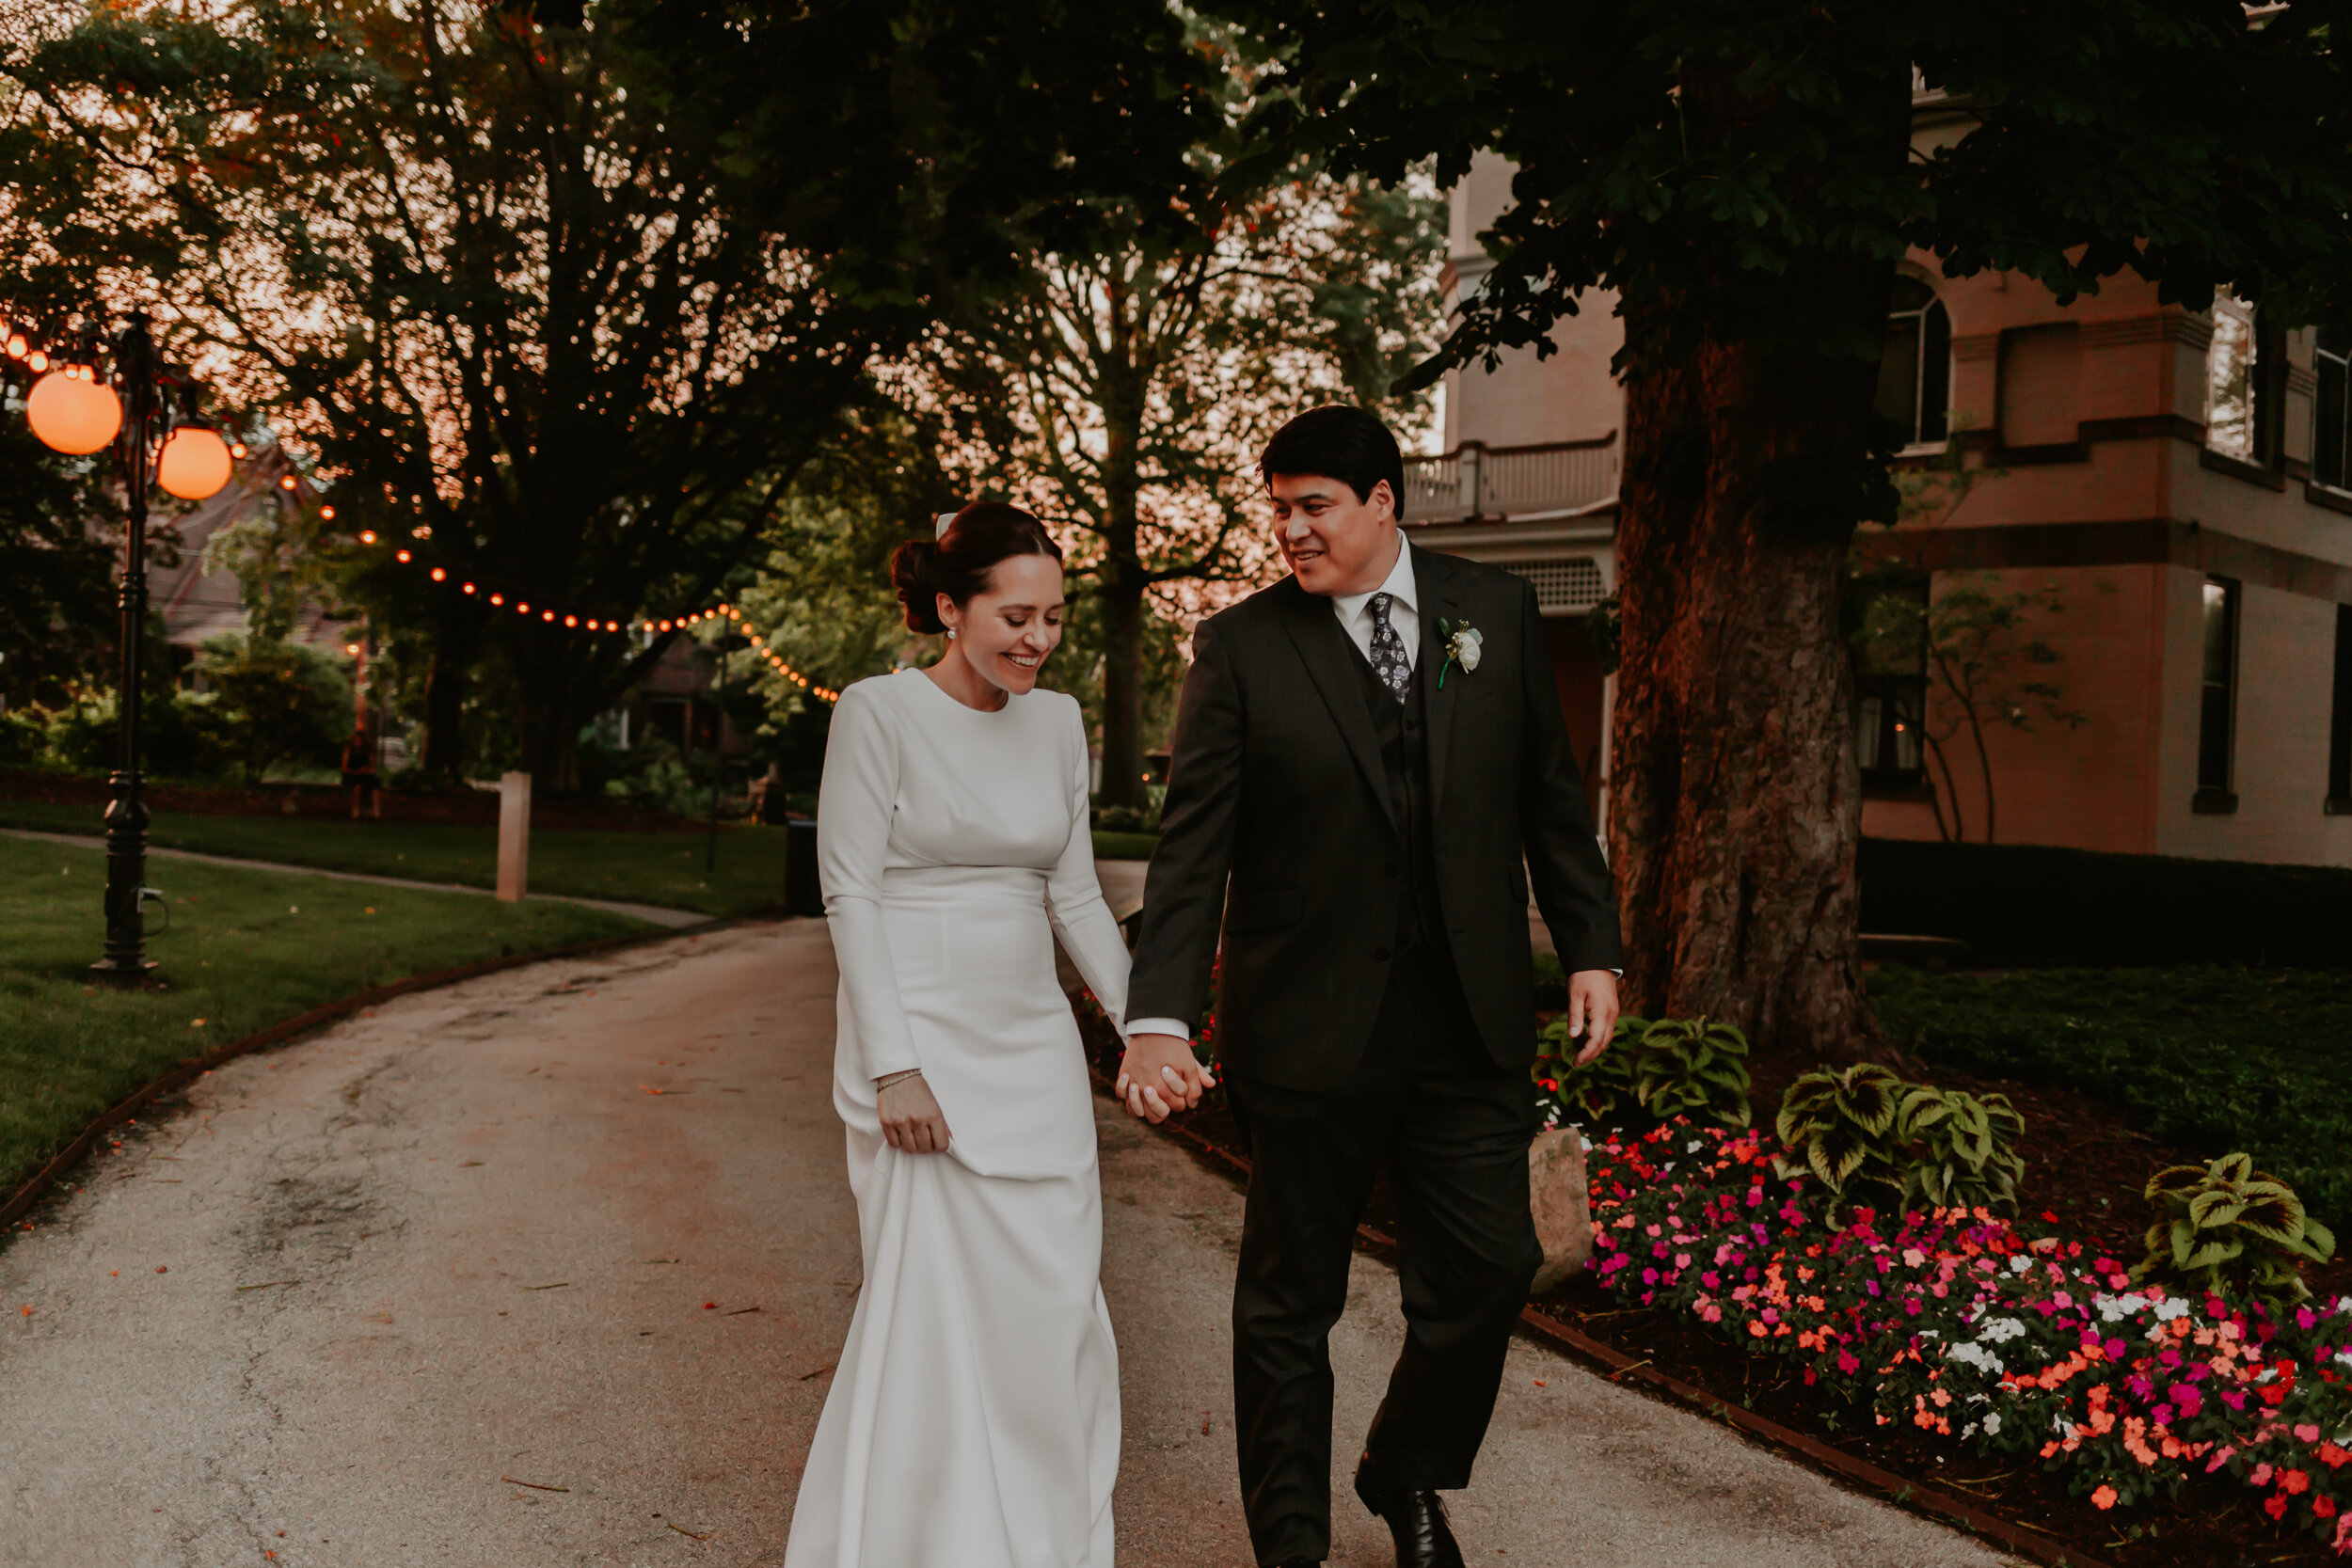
{"x": 440, "y": 575}
{"x": 400, "y": 556}
{"x": 36, "y": 361}
{"x": 366, "y": 536}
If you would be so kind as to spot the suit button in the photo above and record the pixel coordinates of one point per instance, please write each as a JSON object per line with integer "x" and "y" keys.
{"x": 1380, "y": 955}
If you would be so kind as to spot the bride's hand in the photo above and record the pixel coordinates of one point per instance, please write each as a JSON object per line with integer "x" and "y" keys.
{"x": 1159, "y": 1075}
{"x": 911, "y": 1117}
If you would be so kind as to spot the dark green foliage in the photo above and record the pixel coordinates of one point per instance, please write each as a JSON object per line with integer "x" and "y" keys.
{"x": 1651, "y": 1072}
{"x": 2205, "y": 1059}
{"x": 1839, "y": 1126}
{"x": 2228, "y": 1229}
{"x": 280, "y": 703}
{"x": 1957, "y": 1150}
{"x": 1864, "y": 1127}
{"x": 2020, "y": 906}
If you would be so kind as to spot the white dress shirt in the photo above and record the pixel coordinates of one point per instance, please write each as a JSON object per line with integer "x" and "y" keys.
{"x": 1355, "y": 610}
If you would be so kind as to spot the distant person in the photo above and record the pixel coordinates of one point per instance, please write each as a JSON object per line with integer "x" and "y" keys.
{"x": 973, "y": 1420}
{"x": 360, "y": 773}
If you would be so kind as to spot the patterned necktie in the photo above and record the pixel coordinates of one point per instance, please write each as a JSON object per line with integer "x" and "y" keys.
{"x": 1387, "y": 650}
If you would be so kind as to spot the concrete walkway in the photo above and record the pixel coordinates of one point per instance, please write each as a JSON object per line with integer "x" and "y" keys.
{"x": 653, "y": 914}
{"x": 551, "y": 1268}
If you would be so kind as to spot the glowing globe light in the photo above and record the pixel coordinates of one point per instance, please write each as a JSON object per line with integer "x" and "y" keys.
{"x": 18, "y": 347}
{"x": 327, "y": 512}
{"x": 439, "y": 574}
{"x": 366, "y": 536}
{"x": 287, "y": 483}
{"x": 195, "y": 464}
{"x": 37, "y": 360}
{"x": 71, "y": 415}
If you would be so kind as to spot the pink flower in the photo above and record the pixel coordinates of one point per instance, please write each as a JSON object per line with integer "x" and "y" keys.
{"x": 2104, "y": 1496}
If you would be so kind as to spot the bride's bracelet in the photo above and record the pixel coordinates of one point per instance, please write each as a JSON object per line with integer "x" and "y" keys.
{"x": 889, "y": 1078}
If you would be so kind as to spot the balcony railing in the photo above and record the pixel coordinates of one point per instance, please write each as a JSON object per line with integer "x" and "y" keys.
{"x": 1474, "y": 481}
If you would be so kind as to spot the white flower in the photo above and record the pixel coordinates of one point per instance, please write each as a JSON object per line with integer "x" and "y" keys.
{"x": 2000, "y": 1330}
{"x": 1991, "y": 1422}
{"x": 1464, "y": 646}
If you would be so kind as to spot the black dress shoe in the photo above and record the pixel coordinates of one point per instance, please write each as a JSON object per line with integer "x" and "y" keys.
{"x": 1415, "y": 1518}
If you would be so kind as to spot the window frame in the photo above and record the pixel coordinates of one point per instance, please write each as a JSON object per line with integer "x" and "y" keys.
{"x": 2331, "y": 368}
{"x": 1932, "y": 324}
{"x": 2217, "y": 700}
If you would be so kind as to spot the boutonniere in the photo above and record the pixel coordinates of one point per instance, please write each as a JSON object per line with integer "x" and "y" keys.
{"x": 1461, "y": 647}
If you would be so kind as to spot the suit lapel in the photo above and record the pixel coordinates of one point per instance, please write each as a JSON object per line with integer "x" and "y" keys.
{"x": 1314, "y": 630}
{"x": 1432, "y": 586}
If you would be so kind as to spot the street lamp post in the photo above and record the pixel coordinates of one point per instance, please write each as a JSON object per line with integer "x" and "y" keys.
{"x": 148, "y": 410}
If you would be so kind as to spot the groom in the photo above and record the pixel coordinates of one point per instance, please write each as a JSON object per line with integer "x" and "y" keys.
{"x": 1370, "y": 768}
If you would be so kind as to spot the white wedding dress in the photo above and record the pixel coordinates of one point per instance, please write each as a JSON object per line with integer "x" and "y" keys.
{"x": 973, "y": 1420}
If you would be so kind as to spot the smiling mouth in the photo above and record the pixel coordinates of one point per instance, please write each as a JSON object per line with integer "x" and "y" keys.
{"x": 1025, "y": 663}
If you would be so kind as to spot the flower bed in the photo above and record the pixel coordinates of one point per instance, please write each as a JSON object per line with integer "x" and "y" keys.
{"x": 2001, "y": 1337}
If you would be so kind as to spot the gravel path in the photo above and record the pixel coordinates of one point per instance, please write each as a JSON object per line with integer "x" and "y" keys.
{"x": 551, "y": 1267}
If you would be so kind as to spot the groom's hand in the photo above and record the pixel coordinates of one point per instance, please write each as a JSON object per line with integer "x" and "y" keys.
{"x": 1160, "y": 1074}
{"x": 1591, "y": 1010}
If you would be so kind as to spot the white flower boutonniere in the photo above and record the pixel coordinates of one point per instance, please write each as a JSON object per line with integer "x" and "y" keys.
{"x": 1461, "y": 647}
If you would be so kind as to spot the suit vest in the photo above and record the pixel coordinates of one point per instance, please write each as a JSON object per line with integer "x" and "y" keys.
{"x": 1403, "y": 731}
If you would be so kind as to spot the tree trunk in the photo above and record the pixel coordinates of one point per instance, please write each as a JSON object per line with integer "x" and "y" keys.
{"x": 1123, "y": 601}
{"x": 1122, "y": 577}
{"x": 1736, "y": 801}
{"x": 549, "y": 717}
{"x": 444, "y": 710}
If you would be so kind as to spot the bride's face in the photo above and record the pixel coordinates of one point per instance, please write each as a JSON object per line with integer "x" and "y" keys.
{"x": 1006, "y": 630}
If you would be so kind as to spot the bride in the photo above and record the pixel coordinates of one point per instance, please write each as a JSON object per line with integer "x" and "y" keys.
{"x": 973, "y": 1420}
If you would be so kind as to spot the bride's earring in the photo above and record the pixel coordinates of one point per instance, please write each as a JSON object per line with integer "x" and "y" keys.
{"x": 951, "y": 634}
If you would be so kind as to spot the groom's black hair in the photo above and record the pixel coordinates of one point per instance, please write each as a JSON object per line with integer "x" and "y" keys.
{"x": 1342, "y": 443}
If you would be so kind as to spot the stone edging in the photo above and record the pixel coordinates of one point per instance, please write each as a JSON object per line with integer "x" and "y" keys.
{"x": 1620, "y": 1367}
{"x": 21, "y": 1201}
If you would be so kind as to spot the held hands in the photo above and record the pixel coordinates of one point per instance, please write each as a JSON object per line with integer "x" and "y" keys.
{"x": 1160, "y": 1075}
{"x": 912, "y": 1120}
{"x": 1591, "y": 1010}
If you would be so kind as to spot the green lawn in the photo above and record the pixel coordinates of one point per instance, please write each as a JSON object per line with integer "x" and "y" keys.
{"x": 641, "y": 868}
{"x": 1124, "y": 846}
{"x": 2209, "y": 1060}
{"x": 244, "y": 950}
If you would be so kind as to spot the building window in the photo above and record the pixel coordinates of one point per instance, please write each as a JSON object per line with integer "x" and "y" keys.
{"x": 2332, "y": 407}
{"x": 1890, "y": 684}
{"x": 2244, "y": 385}
{"x": 2339, "y": 720}
{"x": 2216, "y": 714}
{"x": 1915, "y": 370}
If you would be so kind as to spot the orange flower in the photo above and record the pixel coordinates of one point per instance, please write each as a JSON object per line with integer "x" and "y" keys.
{"x": 2104, "y": 1498}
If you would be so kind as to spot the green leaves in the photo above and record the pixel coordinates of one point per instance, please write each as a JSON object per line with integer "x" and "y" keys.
{"x": 1654, "y": 1071}
{"x": 1924, "y": 1146}
{"x": 1959, "y": 1150}
{"x": 2226, "y": 1227}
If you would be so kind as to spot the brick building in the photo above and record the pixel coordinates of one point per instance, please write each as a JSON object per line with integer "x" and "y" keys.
{"x": 2166, "y": 496}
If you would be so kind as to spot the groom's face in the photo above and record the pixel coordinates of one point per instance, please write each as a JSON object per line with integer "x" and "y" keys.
{"x": 1335, "y": 541}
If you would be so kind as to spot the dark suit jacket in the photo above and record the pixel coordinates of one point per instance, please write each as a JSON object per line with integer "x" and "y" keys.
{"x": 1276, "y": 780}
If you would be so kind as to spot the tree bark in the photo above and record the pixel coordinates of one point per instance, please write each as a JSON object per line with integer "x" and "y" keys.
{"x": 1736, "y": 801}
{"x": 444, "y": 710}
{"x": 1122, "y": 579}
{"x": 1122, "y": 690}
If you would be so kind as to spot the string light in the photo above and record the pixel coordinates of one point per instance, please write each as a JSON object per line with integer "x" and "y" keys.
{"x": 574, "y": 621}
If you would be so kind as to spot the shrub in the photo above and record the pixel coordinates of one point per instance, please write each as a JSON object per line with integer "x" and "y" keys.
{"x": 23, "y": 738}
{"x": 1652, "y": 1070}
{"x": 1126, "y": 819}
{"x": 2228, "y": 1229}
{"x": 1957, "y": 1150}
{"x": 1839, "y": 1124}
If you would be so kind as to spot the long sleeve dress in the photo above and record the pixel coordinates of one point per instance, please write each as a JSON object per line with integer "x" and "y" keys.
{"x": 973, "y": 1420}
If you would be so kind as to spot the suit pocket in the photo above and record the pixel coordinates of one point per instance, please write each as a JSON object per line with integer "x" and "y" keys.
{"x": 1265, "y": 912}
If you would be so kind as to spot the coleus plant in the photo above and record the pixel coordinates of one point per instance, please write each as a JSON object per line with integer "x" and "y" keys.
{"x": 2227, "y": 1227}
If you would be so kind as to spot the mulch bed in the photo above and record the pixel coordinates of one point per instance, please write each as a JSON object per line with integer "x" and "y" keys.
{"x": 472, "y": 808}
{"x": 2085, "y": 1169}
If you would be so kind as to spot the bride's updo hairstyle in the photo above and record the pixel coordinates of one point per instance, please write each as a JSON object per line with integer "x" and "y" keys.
{"x": 960, "y": 560}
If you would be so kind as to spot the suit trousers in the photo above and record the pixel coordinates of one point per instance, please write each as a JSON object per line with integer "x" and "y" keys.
{"x": 1451, "y": 1129}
